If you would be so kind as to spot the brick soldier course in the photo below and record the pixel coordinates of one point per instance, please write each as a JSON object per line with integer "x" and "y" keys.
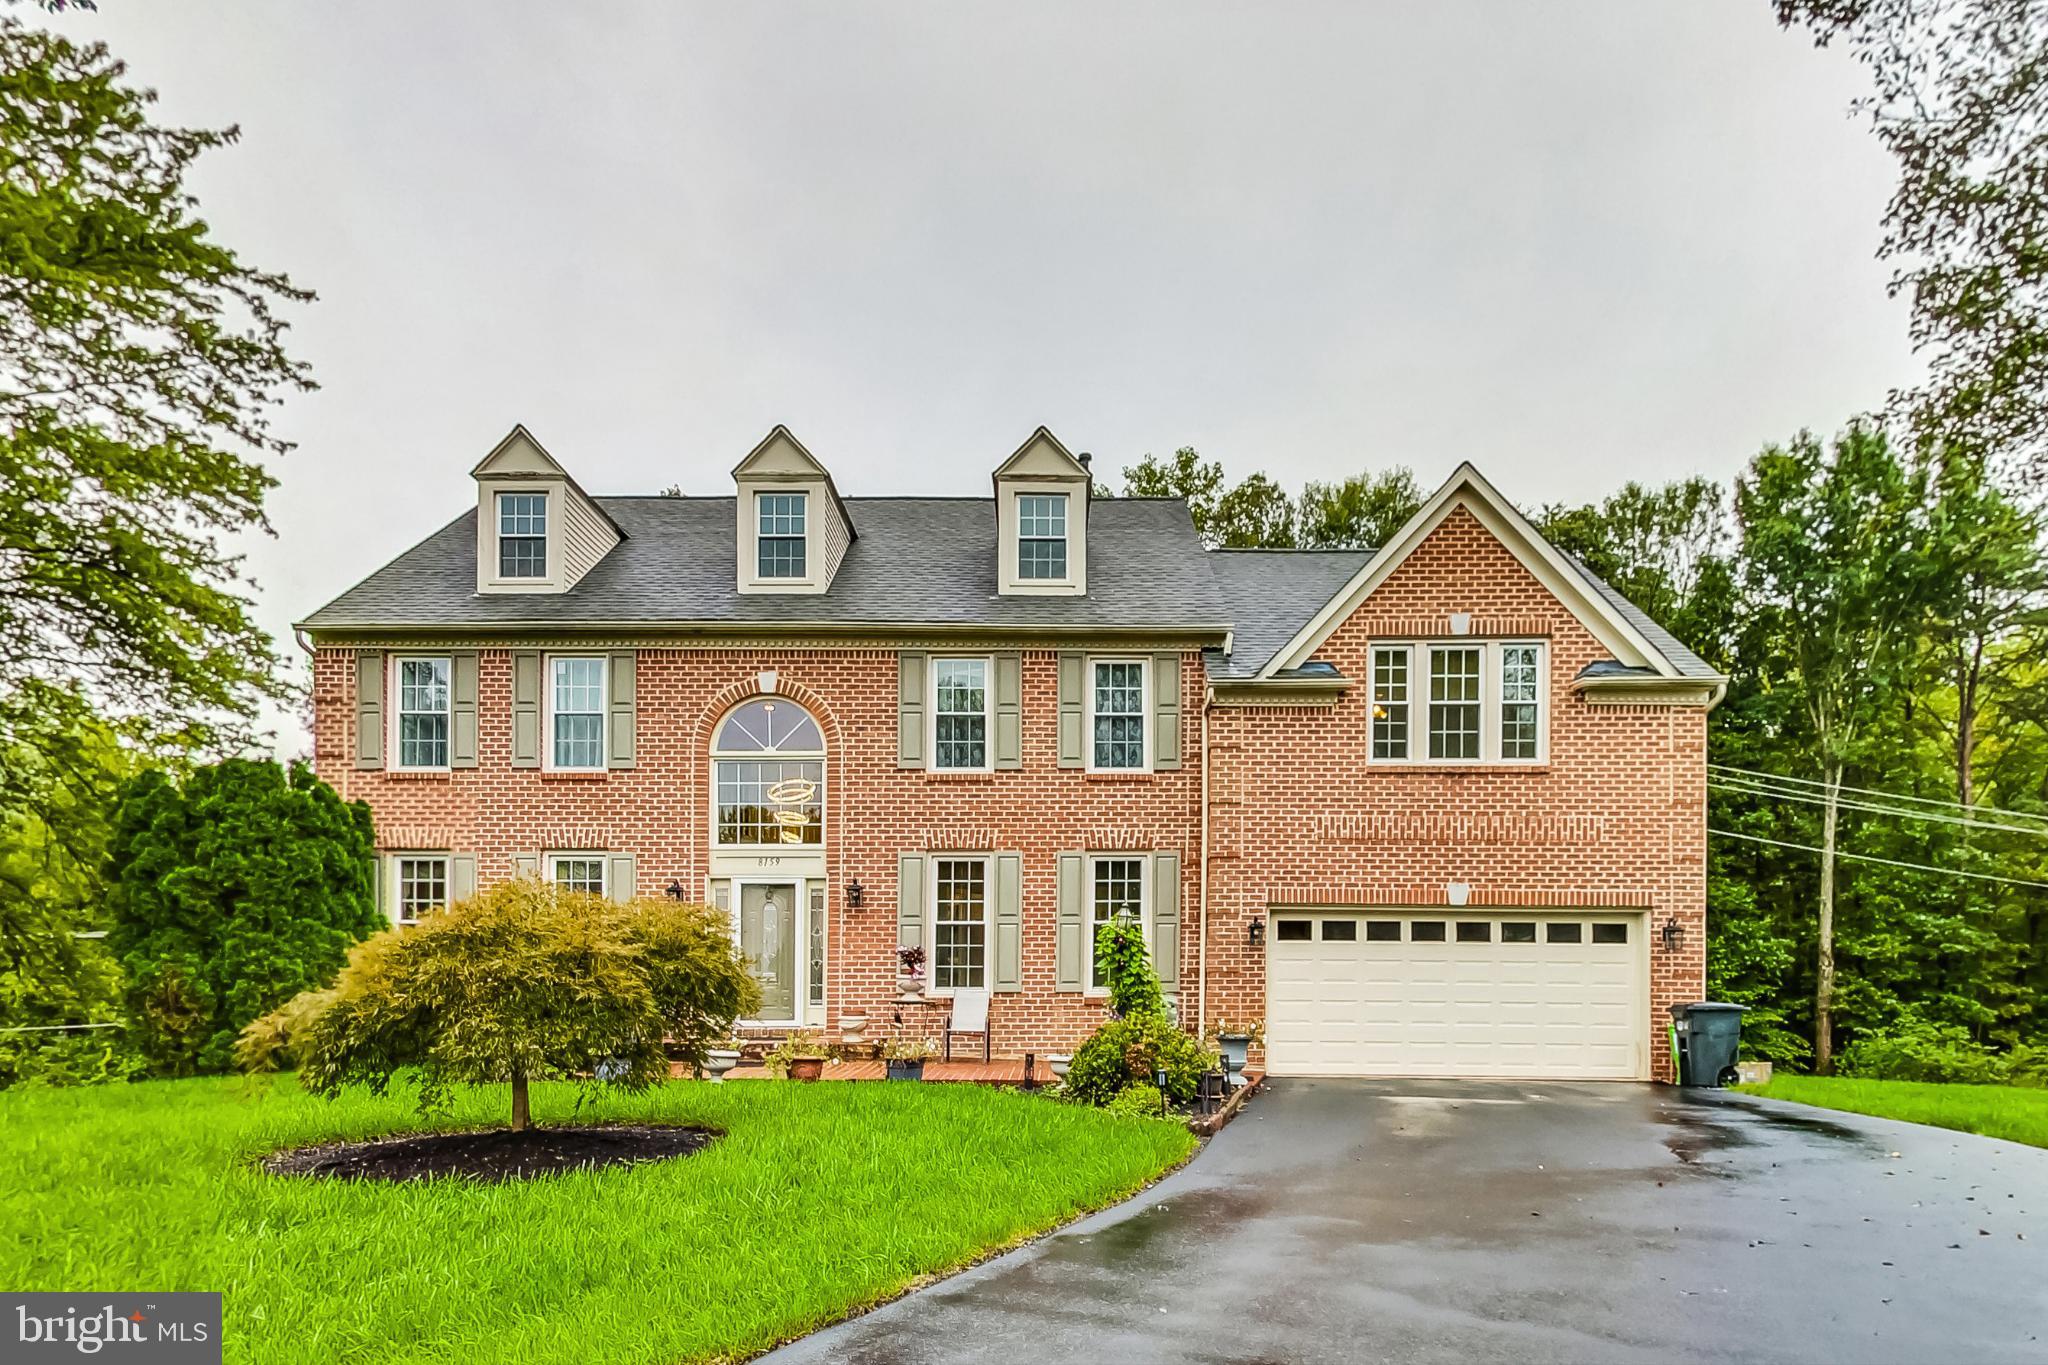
{"x": 1258, "y": 672}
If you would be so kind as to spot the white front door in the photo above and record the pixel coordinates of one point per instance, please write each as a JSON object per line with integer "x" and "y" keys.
{"x": 1424, "y": 992}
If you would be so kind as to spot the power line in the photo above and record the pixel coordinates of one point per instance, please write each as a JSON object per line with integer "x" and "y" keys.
{"x": 1889, "y": 862}
{"x": 1777, "y": 778}
{"x": 1762, "y": 789}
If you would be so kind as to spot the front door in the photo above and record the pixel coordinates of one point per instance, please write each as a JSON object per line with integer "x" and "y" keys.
{"x": 768, "y": 938}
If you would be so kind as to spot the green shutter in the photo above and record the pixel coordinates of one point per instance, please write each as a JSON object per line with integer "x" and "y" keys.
{"x": 526, "y": 710}
{"x": 910, "y": 710}
{"x": 462, "y": 709}
{"x": 369, "y": 710}
{"x": 620, "y": 723}
{"x": 379, "y": 893}
{"x": 1072, "y": 715}
{"x": 1073, "y": 939}
{"x": 910, "y": 901}
{"x": 461, "y": 877}
{"x": 620, "y": 878}
{"x": 1165, "y": 711}
{"x": 526, "y": 864}
{"x": 1009, "y": 747}
{"x": 1009, "y": 922}
{"x": 1166, "y": 919}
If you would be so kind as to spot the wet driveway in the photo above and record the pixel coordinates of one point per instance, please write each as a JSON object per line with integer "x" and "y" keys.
{"x": 1464, "y": 1221}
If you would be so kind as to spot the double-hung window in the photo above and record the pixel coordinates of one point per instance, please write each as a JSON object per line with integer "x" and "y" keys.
{"x": 421, "y": 714}
{"x": 522, "y": 535}
{"x": 1118, "y": 707}
{"x": 577, "y": 872}
{"x": 1042, "y": 536}
{"x": 1118, "y": 894}
{"x": 959, "y": 923}
{"x": 779, "y": 539}
{"x": 422, "y": 886}
{"x": 576, "y": 713}
{"x": 1463, "y": 701}
{"x": 960, "y": 713}
{"x": 1454, "y": 729}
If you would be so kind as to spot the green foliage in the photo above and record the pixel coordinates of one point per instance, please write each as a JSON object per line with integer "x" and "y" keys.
{"x": 1124, "y": 1052}
{"x": 1256, "y": 512}
{"x": 231, "y": 893}
{"x": 529, "y": 982}
{"x": 140, "y": 363}
{"x": 1139, "y": 1101}
{"x": 1361, "y": 512}
{"x": 1924, "y": 1052}
{"x": 902, "y": 1182}
{"x": 1125, "y": 965}
{"x": 2001, "y": 1111}
{"x": 798, "y": 1044}
{"x": 277, "y": 1041}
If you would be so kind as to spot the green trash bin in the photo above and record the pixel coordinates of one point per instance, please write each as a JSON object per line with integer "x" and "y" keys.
{"x": 1708, "y": 1034}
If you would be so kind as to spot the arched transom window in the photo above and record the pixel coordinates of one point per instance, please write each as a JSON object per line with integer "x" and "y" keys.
{"x": 769, "y": 761}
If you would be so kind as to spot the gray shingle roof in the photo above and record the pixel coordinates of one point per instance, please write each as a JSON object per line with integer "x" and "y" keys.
{"x": 1270, "y": 595}
{"x": 924, "y": 560}
{"x": 1688, "y": 664}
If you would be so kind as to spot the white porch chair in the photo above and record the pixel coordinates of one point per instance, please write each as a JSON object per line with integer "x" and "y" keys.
{"x": 970, "y": 1015}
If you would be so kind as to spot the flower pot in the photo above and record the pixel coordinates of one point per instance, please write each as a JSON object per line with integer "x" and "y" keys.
{"x": 1236, "y": 1047}
{"x": 718, "y": 1061}
{"x": 912, "y": 986}
{"x": 1059, "y": 1062}
{"x": 906, "y": 1070}
{"x": 852, "y": 1026}
{"x": 806, "y": 1068}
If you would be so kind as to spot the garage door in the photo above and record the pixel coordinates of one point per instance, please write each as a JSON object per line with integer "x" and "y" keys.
{"x": 1422, "y": 993}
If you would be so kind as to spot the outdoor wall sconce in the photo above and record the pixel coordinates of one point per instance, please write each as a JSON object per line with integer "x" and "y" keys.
{"x": 1255, "y": 933}
{"x": 854, "y": 892}
{"x": 1673, "y": 934}
{"x": 675, "y": 890}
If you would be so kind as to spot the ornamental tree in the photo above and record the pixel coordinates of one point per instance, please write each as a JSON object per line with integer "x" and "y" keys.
{"x": 529, "y": 982}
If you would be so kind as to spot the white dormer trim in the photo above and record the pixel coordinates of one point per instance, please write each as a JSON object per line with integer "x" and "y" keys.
{"x": 780, "y": 464}
{"x": 1468, "y": 489}
{"x": 579, "y": 532}
{"x": 1042, "y": 467}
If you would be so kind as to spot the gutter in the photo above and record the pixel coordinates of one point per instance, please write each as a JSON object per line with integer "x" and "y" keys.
{"x": 878, "y": 629}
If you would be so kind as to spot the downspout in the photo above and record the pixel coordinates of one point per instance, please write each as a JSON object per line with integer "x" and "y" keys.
{"x": 1202, "y": 883}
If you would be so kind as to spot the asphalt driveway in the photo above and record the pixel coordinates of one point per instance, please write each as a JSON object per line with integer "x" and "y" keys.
{"x": 1462, "y": 1221}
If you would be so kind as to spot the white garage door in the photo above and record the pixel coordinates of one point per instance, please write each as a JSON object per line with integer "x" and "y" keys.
{"x": 1427, "y": 993}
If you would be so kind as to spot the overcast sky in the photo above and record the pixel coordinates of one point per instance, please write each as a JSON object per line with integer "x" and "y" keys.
{"x": 1574, "y": 243}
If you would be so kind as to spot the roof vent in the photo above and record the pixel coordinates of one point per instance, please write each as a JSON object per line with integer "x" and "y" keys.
{"x": 1086, "y": 459}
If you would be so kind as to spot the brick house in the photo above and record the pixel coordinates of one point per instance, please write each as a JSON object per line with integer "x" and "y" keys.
{"x": 1434, "y": 809}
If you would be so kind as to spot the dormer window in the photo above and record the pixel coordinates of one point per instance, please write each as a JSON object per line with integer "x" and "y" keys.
{"x": 1042, "y": 536}
{"x": 522, "y": 535}
{"x": 780, "y": 536}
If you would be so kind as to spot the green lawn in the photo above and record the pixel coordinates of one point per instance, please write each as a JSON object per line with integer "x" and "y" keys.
{"x": 819, "y": 1200}
{"x": 2000, "y": 1111}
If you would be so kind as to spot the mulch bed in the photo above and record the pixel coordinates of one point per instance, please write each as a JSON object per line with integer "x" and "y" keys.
{"x": 492, "y": 1154}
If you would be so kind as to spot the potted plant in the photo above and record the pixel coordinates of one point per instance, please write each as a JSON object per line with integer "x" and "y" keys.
{"x": 721, "y": 1059}
{"x": 1236, "y": 1042}
{"x": 800, "y": 1057}
{"x": 1059, "y": 1062}
{"x": 906, "y": 1057}
{"x": 852, "y": 1026}
{"x": 911, "y": 979}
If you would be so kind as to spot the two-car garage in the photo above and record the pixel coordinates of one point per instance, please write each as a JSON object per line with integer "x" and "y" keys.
{"x": 1393, "y": 992}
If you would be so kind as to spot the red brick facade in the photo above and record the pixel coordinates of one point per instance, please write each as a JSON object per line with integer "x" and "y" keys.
{"x": 1614, "y": 818}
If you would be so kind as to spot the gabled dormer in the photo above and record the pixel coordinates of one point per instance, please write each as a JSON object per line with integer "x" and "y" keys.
{"x": 1042, "y": 495}
{"x": 536, "y": 531}
{"x": 793, "y": 529}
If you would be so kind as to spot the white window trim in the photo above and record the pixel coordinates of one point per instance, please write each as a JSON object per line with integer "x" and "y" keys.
{"x": 550, "y": 541}
{"x": 809, "y": 577}
{"x": 1144, "y": 861}
{"x": 1144, "y": 710}
{"x": 1373, "y": 651}
{"x": 988, "y": 710}
{"x": 604, "y": 867}
{"x": 394, "y": 698}
{"x": 604, "y": 719}
{"x": 1065, "y": 537}
{"x": 1419, "y": 655}
{"x": 817, "y": 756}
{"x": 931, "y": 920}
{"x": 395, "y": 860}
{"x": 1010, "y": 519}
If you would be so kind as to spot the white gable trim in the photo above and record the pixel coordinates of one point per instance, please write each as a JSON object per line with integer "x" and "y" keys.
{"x": 780, "y": 455}
{"x": 1042, "y": 457}
{"x": 1469, "y": 489}
{"x": 519, "y": 456}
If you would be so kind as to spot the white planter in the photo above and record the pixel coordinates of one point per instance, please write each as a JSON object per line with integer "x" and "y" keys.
{"x": 911, "y": 986}
{"x": 1059, "y": 1062}
{"x": 852, "y": 1026}
{"x": 718, "y": 1061}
